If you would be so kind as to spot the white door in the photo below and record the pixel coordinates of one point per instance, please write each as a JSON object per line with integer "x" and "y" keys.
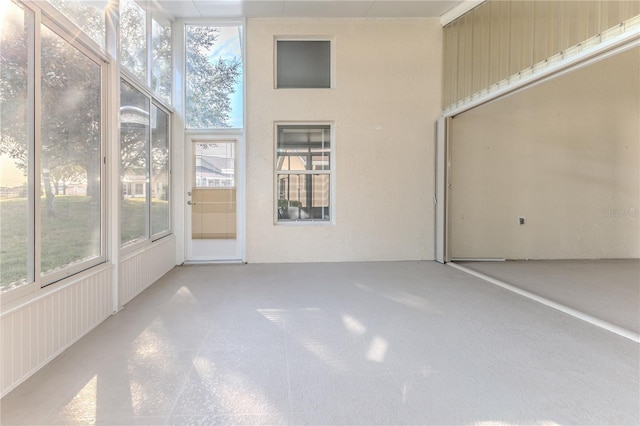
{"x": 214, "y": 200}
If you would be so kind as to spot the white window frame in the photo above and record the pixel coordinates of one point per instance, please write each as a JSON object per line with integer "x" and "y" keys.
{"x": 101, "y": 62}
{"x": 158, "y": 235}
{"x": 151, "y": 13}
{"x": 148, "y": 238}
{"x": 45, "y": 14}
{"x": 221, "y": 22}
{"x": 331, "y": 173}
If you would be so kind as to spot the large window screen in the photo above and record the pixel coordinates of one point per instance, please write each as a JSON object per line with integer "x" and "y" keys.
{"x": 134, "y": 142}
{"x": 70, "y": 154}
{"x": 16, "y": 199}
{"x": 88, "y": 15}
{"x": 214, "y": 90}
{"x": 161, "y": 60}
{"x": 303, "y": 64}
{"x": 133, "y": 39}
{"x": 160, "y": 217}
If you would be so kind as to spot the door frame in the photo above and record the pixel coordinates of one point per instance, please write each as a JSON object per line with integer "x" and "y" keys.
{"x": 443, "y": 185}
{"x": 236, "y": 136}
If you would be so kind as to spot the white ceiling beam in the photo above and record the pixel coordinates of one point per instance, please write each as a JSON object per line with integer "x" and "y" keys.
{"x": 458, "y": 10}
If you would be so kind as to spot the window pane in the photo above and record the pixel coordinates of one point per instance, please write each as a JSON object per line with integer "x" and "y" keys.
{"x": 303, "y": 148}
{"x": 87, "y": 14}
{"x": 134, "y": 140}
{"x": 159, "y": 171}
{"x": 215, "y": 165}
{"x": 161, "y": 60}
{"x": 303, "y": 64}
{"x": 16, "y": 200}
{"x": 303, "y": 197}
{"x": 71, "y": 156}
{"x": 133, "y": 39}
{"x": 214, "y": 77}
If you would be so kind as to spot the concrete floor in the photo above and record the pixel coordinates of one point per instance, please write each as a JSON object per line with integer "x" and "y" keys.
{"x": 348, "y": 343}
{"x": 608, "y": 289}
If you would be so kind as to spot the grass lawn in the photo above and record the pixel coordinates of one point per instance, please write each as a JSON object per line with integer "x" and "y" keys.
{"x": 70, "y": 236}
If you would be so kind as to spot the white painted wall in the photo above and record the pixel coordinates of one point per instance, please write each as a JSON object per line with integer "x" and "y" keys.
{"x": 565, "y": 155}
{"x": 385, "y": 102}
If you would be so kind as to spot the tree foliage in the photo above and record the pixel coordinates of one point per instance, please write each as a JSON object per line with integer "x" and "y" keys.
{"x": 210, "y": 83}
{"x": 70, "y": 125}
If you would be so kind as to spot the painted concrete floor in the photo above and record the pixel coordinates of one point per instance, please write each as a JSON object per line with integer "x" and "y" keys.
{"x": 348, "y": 343}
{"x": 608, "y": 289}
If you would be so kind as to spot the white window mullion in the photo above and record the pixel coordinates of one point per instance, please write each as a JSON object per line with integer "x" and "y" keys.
{"x": 149, "y": 48}
{"x": 35, "y": 72}
{"x": 147, "y": 184}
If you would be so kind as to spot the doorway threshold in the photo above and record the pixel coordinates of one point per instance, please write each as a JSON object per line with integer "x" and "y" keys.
{"x": 212, "y": 262}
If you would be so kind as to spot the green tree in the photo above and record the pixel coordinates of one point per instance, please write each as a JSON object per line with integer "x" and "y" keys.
{"x": 70, "y": 90}
{"x": 70, "y": 107}
{"x": 209, "y": 83}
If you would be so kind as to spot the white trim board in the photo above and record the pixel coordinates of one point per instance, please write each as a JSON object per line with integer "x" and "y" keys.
{"x": 623, "y": 332}
{"x": 458, "y": 10}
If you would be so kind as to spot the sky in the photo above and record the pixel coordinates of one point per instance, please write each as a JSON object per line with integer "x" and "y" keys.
{"x": 10, "y": 175}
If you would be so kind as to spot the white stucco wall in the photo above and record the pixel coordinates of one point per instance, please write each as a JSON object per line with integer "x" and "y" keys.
{"x": 386, "y": 98}
{"x": 565, "y": 155}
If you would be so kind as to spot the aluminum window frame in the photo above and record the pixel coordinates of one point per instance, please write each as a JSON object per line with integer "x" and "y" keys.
{"x": 149, "y": 237}
{"x": 44, "y": 14}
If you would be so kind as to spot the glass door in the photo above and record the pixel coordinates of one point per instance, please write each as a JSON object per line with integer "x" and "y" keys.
{"x": 213, "y": 201}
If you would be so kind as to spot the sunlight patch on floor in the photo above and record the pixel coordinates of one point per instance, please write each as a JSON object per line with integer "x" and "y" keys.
{"x": 377, "y": 350}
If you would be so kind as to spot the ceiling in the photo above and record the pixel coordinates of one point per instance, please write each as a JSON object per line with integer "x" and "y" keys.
{"x": 306, "y": 8}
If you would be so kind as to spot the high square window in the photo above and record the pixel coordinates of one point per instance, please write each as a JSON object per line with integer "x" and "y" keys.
{"x": 303, "y": 64}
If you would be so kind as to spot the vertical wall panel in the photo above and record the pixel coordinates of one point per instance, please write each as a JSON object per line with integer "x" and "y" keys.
{"x": 542, "y": 30}
{"x": 36, "y": 332}
{"x": 574, "y": 18}
{"x": 446, "y": 66}
{"x": 499, "y": 39}
{"x": 481, "y": 44}
{"x": 592, "y": 16}
{"x": 633, "y": 10}
{"x": 521, "y": 46}
{"x": 6, "y": 371}
{"x": 610, "y": 14}
{"x": 143, "y": 268}
{"x": 465, "y": 56}
{"x": 451, "y": 62}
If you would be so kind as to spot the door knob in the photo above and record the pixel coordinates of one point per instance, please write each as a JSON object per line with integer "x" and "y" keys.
{"x": 191, "y": 203}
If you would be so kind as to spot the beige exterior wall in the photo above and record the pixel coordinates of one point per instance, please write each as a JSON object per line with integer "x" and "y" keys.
{"x": 565, "y": 155}
{"x": 386, "y": 98}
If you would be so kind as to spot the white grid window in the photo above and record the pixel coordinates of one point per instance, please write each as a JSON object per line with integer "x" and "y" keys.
{"x": 303, "y": 173}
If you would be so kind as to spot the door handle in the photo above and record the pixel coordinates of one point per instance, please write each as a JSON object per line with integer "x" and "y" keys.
{"x": 191, "y": 203}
